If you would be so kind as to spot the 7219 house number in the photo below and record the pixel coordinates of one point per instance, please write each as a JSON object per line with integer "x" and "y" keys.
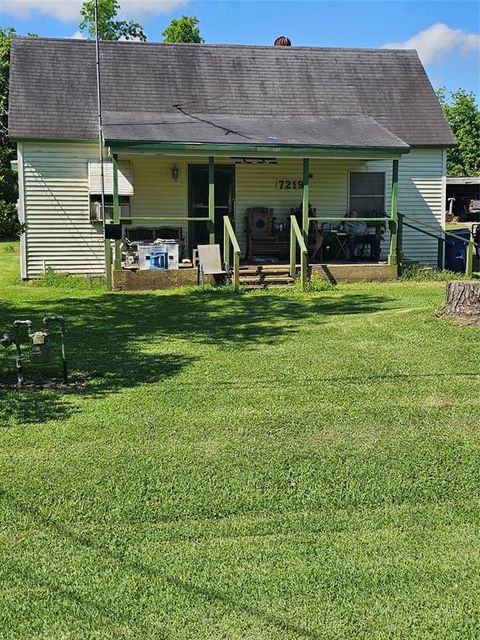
{"x": 289, "y": 184}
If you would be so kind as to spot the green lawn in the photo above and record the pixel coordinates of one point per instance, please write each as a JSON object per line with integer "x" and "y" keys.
{"x": 263, "y": 466}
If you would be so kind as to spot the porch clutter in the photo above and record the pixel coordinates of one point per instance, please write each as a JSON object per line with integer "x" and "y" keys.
{"x": 266, "y": 238}
{"x": 210, "y": 262}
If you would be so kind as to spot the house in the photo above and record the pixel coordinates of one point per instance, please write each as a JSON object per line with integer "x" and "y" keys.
{"x": 194, "y": 133}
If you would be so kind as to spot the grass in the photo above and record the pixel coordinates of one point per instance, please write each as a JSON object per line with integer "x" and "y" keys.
{"x": 271, "y": 465}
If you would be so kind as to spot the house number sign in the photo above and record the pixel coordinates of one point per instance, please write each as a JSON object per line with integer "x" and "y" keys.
{"x": 289, "y": 184}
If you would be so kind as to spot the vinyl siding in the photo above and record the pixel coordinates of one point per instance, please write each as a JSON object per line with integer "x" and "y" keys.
{"x": 125, "y": 179}
{"x": 56, "y": 199}
{"x": 329, "y": 189}
{"x": 421, "y": 196}
{"x": 157, "y": 193}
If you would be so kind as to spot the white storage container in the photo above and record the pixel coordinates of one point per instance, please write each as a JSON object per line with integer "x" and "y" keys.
{"x": 160, "y": 256}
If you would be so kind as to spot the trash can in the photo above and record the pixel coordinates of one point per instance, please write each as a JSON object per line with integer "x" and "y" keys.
{"x": 456, "y": 251}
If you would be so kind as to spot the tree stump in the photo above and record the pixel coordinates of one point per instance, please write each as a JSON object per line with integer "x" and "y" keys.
{"x": 463, "y": 298}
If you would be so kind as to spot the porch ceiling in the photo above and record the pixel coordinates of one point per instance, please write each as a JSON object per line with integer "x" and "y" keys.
{"x": 355, "y": 132}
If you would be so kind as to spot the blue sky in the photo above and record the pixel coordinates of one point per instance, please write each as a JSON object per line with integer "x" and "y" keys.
{"x": 445, "y": 33}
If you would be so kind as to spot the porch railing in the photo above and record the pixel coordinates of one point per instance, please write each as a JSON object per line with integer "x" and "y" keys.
{"x": 229, "y": 238}
{"x": 431, "y": 230}
{"x": 131, "y": 219}
{"x": 389, "y": 222}
{"x": 296, "y": 237}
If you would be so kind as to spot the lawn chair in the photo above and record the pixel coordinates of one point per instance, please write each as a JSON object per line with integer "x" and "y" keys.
{"x": 210, "y": 262}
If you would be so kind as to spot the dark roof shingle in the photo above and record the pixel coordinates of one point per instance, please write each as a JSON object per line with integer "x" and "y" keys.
{"x": 346, "y": 96}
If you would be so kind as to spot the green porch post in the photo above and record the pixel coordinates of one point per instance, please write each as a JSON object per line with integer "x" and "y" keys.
{"x": 306, "y": 198}
{"x": 393, "y": 255}
{"x": 211, "y": 199}
{"x": 108, "y": 264}
{"x": 116, "y": 211}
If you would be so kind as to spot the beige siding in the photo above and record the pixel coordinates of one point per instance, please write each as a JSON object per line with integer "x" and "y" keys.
{"x": 157, "y": 193}
{"x": 56, "y": 199}
{"x": 329, "y": 188}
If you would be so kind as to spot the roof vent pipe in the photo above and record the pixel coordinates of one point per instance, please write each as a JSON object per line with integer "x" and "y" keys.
{"x": 282, "y": 41}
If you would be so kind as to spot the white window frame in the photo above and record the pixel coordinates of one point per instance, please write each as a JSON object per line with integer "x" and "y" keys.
{"x": 349, "y": 191}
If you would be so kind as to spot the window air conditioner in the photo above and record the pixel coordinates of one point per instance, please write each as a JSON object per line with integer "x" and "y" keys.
{"x": 95, "y": 211}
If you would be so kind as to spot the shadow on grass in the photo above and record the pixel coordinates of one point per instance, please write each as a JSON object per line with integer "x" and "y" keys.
{"x": 108, "y": 334}
{"x": 211, "y": 317}
{"x": 212, "y": 594}
{"x": 106, "y": 373}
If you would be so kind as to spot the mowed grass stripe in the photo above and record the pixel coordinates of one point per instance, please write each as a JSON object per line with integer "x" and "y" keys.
{"x": 262, "y": 466}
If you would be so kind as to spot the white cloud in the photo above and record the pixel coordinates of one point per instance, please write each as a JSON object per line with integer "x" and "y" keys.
{"x": 78, "y": 35}
{"x": 434, "y": 43}
{"x": 69, "y": 10}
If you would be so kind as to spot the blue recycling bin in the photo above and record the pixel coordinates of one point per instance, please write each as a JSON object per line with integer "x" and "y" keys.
{"x": 456, "y": 251}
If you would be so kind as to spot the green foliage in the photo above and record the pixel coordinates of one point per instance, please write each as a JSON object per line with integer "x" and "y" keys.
{"x": 417, "y": 273}
{"x": 463, "y": 115}
{"x": 184, "y": 29}
{"x": 9, "y": 225}
{"x": 54, "y": 280}
{"x": 267, "y": 466}
{"x": 109, "y": 27}
{"x": 315, "y": 283}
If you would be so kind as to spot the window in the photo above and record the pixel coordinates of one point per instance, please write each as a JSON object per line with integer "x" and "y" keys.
{"x": 367, "y": 192}
{"x": 96, "y": 207}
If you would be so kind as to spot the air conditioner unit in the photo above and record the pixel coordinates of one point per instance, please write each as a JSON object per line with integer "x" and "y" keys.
{"x": 96, "y": 212}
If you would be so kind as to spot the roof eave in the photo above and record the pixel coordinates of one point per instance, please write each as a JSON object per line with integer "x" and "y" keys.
{"x": 313, "y": 150}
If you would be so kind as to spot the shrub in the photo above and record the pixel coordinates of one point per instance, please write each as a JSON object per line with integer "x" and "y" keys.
{"x": 417, "y": 273}
{"x": 319, "y": 284}
{"x": 9, "y": 224}
{"x": 66, "y": 281}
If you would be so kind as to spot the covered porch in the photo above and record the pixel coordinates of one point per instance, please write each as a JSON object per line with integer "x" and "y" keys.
{"x": 216, "y": 193}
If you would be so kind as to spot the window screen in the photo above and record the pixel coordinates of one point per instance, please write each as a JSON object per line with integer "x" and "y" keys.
{"x": 367, "y": 192}
{"x": 124, "y": 205}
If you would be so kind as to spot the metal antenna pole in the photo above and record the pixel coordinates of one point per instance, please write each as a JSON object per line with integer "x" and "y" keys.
{"x": 100, "y": 121}
{"x": 108, "y": 250}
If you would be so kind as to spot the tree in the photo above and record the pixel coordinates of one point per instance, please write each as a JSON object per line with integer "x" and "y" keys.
{"x": 184, "y": 29}
{"x": 463, "y": 115}
{"x": 9, "y": 225}
{"x": 109, "y": 27}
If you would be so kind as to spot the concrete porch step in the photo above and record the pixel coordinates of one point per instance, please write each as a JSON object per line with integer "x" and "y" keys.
{"x": 265, "y": 275}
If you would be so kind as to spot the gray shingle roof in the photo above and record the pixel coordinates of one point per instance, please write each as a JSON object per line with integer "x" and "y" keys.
{"x": 193, "y": 93}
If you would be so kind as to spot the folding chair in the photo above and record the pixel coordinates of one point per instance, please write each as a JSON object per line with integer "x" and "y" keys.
{"x": 210, "y": 262}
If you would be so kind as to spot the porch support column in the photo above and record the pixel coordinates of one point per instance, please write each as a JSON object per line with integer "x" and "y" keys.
{"x": 116, "y": 211}
{"x": 211, "y": 199}
{"x": 393, "y": 255}
{"x": 306, "y": 198}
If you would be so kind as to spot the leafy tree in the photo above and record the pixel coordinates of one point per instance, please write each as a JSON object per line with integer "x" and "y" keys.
{"x": 9, "y": 225}
{"x": 109, "y": 27}
{"x": 184, "y": 29}
{"x": 463, "y": 115}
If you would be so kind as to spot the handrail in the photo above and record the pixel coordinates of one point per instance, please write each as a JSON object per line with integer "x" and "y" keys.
{"x": 164, "y": 218}
{"x": 343, "y": 219}
{"x": 230, "y": 238}
{"x": 393, "y": 225}
{"x": 471, "y": 245}
{"x": 296, "y": 235}
{"x": 437, "y": 229}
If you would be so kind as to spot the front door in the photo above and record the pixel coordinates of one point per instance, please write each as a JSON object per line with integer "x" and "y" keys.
{"x": 198, "y": 201}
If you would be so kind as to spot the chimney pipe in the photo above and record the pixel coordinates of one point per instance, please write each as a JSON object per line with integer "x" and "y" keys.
{"x": 282, "y": 41}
